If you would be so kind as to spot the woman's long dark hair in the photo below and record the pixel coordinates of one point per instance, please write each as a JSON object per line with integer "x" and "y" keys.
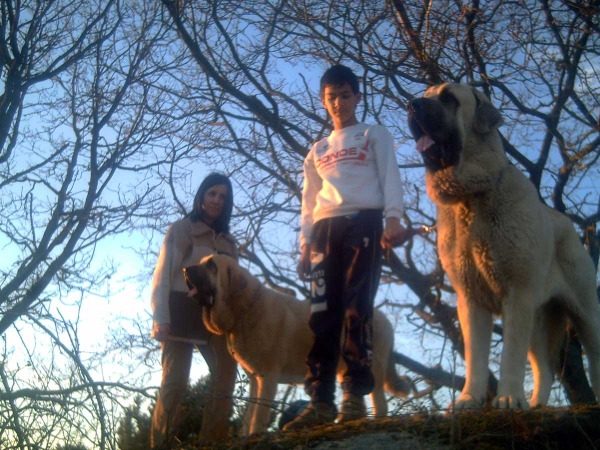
{"x": 221, "y": 224}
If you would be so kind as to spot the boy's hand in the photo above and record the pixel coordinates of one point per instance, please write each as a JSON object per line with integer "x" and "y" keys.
{"x": 394, "y": 234}
{"x": 304, "y": 264}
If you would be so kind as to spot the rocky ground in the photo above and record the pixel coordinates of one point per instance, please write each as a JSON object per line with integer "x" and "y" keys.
{"x": 544, "y": 428}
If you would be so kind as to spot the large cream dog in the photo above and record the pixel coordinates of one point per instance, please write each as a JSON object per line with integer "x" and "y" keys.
{"x": 268, "y": 334}
{"x": 504, "y": 251}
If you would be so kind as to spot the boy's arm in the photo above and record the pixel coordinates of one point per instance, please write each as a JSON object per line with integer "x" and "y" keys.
{"x": 391, "y": 184}
{"x": 304, "y": 263}
{"x": 312, "y": 186}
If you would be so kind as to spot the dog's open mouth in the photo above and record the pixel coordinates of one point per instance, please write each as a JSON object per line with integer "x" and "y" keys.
{"x": 424, "y": 143}
{"x": 199, "y": 285}
{"x": 437, "y": 141}
{"x": 436, "y": 155}
{"x": 204, "y": 297}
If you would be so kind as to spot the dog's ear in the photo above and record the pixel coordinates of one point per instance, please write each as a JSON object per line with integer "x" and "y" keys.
{"x": 209, "y": 264}
{"x": 487, "y": 117}
{"x": 237, "y": 281}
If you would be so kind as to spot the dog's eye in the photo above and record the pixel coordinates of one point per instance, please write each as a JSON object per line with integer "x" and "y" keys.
{"x": 211, "y": 265}
{"x": 447, "y": 98}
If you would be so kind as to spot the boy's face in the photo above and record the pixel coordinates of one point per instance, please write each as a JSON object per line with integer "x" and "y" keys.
{"x": 340, "y": 102}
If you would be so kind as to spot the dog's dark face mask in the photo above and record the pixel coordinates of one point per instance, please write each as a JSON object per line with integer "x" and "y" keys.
{"x": 199, "y": 283}
{"x": 434, "y": 129}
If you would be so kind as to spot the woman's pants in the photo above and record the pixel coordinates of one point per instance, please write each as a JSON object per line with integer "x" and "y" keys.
{"x": 176, "y": 364}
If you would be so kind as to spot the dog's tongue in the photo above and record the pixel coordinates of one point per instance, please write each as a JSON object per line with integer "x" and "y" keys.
{"x": 424, "y": 143}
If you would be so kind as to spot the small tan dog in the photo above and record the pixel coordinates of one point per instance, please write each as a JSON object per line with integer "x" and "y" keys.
{"x": 268, "y": 334}
{"x": 505, "y": 252}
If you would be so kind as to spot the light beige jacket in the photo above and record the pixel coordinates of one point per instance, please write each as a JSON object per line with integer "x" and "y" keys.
{"x": 185, "y": 244}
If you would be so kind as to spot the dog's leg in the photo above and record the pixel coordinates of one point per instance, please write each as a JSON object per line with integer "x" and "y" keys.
{"x": 267, "y": 389}
{"x": 380, "y": 408}
{"x": 582, "y": 299}
{"x": 589, "y": 334}
{"x": 476, "y": 324}
{"x": 578, "y": 292}
{"x": 249, "y": 412}
{"x": 517, "y": 319}
{"x": 587, "y": 326}
{"x": 377, "y": 394}
{"x": 546, "y": 339}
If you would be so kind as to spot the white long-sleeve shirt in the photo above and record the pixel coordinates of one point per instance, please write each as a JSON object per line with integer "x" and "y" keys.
{"x": 353, "y": 169}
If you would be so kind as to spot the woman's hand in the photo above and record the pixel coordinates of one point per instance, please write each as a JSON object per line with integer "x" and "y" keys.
{"x": 161, "y": 331}
{"x": 304, "y": 264}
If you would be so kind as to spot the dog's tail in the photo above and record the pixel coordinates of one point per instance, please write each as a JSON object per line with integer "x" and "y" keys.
{"x": 394, "y": 384}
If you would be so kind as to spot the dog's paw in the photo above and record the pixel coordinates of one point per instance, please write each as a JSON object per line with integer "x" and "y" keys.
{"x": 510, "y": 402}
{"x": 466, "y": 402}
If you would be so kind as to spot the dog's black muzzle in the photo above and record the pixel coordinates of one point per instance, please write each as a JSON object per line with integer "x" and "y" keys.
{"x": 198, "y": 282}
{"x": 426, "y": 117}
{"x": 437, "y": 142}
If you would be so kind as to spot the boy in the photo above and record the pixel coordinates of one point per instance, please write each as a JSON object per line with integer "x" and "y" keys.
{"x": 351, "y": 180}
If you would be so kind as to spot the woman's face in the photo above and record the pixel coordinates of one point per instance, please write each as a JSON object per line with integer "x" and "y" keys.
{"x": 214, "y": 202}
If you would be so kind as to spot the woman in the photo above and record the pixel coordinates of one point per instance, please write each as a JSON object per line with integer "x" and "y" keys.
{"x": 204, "y": 231}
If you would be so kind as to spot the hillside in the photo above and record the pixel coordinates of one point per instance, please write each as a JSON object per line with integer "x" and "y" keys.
{"x": 542, "y": 428}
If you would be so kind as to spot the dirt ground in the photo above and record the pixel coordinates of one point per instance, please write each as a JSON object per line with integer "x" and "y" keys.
{"x": 382, "y": 440}
{"x": 543, "y": 428}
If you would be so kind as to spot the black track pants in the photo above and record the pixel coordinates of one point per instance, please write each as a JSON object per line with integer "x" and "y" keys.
{"x": 345, "y": 269}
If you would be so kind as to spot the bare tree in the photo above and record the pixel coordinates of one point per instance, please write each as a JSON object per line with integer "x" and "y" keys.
{"x": 111, "y": 111}
{"x": 537, "y": 60}
{"x": 79, "y": 148}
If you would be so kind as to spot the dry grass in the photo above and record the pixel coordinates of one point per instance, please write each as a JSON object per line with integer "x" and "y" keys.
{"x": 543, "y": 428}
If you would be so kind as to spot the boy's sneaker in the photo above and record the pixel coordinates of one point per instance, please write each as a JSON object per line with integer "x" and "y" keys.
{"x": 353, "y": 408}
{"x": 315, "y": 414}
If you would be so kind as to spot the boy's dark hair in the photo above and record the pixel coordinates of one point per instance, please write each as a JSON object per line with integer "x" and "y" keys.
{"x": 221, "y": 224}
{"x": 339, "y": 75}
